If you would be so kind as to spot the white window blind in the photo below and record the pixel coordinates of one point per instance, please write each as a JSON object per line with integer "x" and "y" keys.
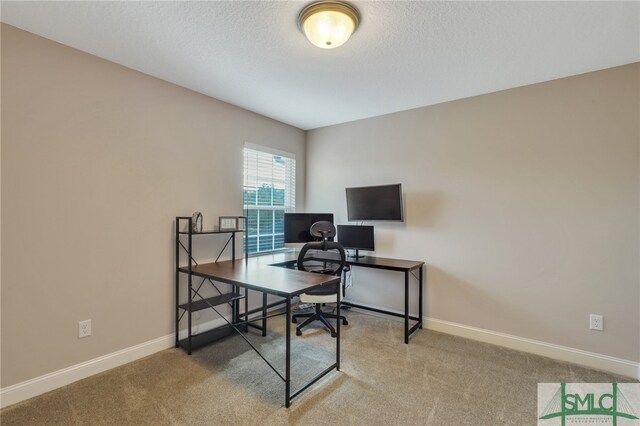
{"x": 269, "y": 192}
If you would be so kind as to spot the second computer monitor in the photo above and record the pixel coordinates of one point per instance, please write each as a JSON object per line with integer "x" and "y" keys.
{"x": 358, "y": 237}
{"x": 296, "y": 225}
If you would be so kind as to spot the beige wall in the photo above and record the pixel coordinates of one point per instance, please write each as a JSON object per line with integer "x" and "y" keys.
{"x": 524, "y": 203}
{"x": 97, "y": 160}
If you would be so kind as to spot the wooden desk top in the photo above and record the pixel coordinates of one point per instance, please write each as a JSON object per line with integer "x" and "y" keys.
{"x": 385, "y": 263}
{"x": 377, "y": 262}
{"x": 258, "y": 274}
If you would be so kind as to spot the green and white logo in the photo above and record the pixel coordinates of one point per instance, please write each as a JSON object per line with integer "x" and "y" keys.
{"x": 591, "y": 404}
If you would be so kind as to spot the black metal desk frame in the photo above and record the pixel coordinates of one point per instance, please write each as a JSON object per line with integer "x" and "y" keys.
{"x": 401, "y": 266}
{"x": 208, "y": 271}
{"x": 232, "y": 299}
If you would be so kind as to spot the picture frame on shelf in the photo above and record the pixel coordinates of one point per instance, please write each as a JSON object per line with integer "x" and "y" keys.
{"x": 228, "y": 223}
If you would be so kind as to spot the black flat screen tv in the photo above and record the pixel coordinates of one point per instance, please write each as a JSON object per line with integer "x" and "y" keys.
{"x": 383, "y": 202}
{"x": 296, "y": 226}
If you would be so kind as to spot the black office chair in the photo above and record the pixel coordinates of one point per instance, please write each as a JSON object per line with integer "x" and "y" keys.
{"x": 323, "y": 257}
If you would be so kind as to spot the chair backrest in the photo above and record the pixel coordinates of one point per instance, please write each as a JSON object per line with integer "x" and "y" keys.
{"x": 323, "y": 230}
{"x": 324, "y": 257}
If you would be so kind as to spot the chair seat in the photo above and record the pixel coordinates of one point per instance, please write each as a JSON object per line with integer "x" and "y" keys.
{"x": 323, "y": 291}
{"x": 328, "y": 296}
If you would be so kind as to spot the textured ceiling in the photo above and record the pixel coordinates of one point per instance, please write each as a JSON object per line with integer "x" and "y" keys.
{"x": 404, "y": 55}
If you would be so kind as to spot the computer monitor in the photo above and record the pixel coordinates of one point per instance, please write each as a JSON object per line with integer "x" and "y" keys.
{"x": 357, "y": 237}
{"x": 296, "y": 226}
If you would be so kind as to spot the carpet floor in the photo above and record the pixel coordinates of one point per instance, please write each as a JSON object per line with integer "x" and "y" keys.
{"x": 437, "y": 379}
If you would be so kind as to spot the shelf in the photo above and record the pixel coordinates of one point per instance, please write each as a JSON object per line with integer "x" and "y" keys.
{"x": 231, "y": 231}
{"x": 231, "y": 298}
{"x": 199, "y": 305}
{"x": 207, "y": 337}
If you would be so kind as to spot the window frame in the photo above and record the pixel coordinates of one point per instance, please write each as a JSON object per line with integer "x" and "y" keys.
{"x": 289, "y": 200}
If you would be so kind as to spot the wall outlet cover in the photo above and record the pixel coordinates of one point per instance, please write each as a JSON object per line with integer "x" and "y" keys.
{"x": 596, "y": 322}
{"x": 84, "y": 328}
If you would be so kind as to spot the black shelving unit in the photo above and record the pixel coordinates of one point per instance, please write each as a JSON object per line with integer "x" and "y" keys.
{"x": 196, "y": 302}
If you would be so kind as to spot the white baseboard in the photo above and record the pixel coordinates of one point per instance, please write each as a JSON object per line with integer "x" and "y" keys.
{"x": 48, "y": 382}
{"x": 562, "y": 353}
{"x": 28, "y": 389}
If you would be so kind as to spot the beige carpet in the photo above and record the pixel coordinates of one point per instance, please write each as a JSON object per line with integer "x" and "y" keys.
{"x": 437, "y": 379}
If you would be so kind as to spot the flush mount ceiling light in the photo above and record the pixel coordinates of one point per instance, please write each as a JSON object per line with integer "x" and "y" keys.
{"x": 328, "y": 24}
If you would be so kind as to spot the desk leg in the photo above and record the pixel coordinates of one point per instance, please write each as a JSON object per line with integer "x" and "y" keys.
{"x": 189, "y": 313}
{"x": 264, "y": 314}
{"x": 406, "y": 307}
{"x": 338, "y": 327}
{"x": 420, "y": 296}
{"x": 287, "y": 374}
{"x": 190, "y": 299}
{"x": 177, "y": 281}
{"x": 246, "y": 310}
{"x": 235, "y": 307}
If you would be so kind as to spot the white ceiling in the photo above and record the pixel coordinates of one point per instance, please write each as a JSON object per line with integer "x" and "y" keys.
{"x": 404, "y": 55}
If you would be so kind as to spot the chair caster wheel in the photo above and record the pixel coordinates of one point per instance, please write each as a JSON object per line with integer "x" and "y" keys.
{"x": 298, "y": 333}
{"x": 345, "y": 322}
{"x": 293, "y": 320}
{"x": 334, "y": 335}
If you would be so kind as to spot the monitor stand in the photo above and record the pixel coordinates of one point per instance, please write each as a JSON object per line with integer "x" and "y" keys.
{"x": 356, "y": 256}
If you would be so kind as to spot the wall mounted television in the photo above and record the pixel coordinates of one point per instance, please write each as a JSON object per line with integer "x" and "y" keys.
{"x": 382, "y": 202}
{"x": 296, "y": 226}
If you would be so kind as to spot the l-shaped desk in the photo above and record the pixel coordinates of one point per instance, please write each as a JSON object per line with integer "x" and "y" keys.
{"x": 404, "y": 266}
{"x": 262, "y": 274}
{"x": 257, "y": 274}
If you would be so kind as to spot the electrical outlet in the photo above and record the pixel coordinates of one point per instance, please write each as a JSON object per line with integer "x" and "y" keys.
{"x": 596, "y": 322}
{"x": 84, "y": 328}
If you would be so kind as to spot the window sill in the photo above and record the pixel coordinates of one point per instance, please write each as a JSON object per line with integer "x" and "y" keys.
{"x": 280, "y": 250}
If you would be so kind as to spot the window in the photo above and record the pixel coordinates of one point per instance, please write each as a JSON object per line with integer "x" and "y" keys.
{"x": 269, "y": 192}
